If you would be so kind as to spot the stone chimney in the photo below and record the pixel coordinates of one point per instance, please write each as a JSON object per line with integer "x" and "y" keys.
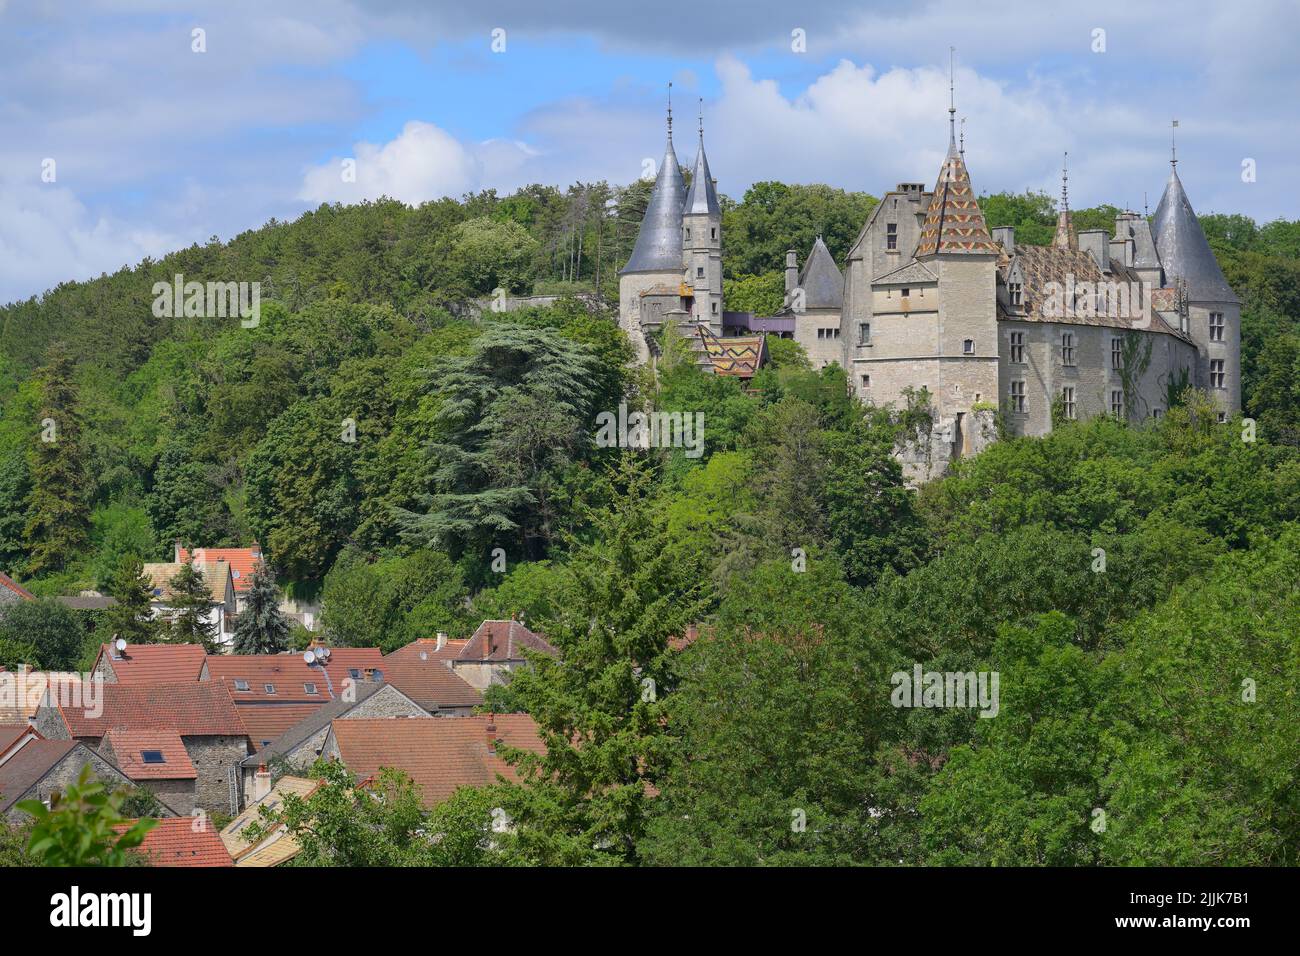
{"x": 177, "y": 548}
{"x": 491, "y": 731}
{"x": 1096, "y": 243}
{"x": 261, "y": 783}
{"x": 442, "y": 639}
{"x": 791, "y": 272}
{"x": 1005, "y": 236}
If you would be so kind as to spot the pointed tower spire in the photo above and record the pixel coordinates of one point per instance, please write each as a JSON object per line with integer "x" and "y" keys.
{"x": 703, "y": 195}
{"x": 954, "y": 221}
{"x": 1065, "y": 237}
{"x": 659, "y": 242}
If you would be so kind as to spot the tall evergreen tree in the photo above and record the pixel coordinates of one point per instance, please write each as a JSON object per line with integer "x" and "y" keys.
{"x": 192, "y": 600}
{"x": 58, "y": 512}
{"x": 131, "y": 618}
{"x": 262, "y": 627}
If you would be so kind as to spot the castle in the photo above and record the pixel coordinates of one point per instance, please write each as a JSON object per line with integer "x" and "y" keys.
{"x": 929, "y": 298}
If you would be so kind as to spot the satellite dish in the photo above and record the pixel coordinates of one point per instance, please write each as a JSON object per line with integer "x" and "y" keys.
{"x": 309, "y": 657}
{"x": 120, "y": 644}
{"x": 325, "y": 651}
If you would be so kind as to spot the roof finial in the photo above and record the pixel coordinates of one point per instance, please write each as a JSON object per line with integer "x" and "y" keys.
{"x": 1146, "y": 208}
{"x": 1173, "y": 145}
{"x": 701, "y": 119}
{"x": 670, "y": 109}
{"x": 1065, "y": 182}
{"x": 962, "y": 138}
{"x": 952, "y": 100}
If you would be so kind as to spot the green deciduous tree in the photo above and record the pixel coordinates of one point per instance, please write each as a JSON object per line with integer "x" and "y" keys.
{"x": 79, "y": 828}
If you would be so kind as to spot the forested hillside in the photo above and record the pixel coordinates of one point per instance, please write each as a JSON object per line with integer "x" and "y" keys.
{"x": 812, "y": 572}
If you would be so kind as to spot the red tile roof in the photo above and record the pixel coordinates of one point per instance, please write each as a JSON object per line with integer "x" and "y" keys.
{"x": 129, "y": 746}
{"x": 182, "y": 841}
{"x": 266, "y": 722}
{"x": 430, "y": 683}
{"x": 155, "y": 663}
{"x": 289, "y": 673}
{"x": 197, "y": 709}
{"x": 503, "y": 641}
{"x": 242, "y": 561}
{"x": 439, "y": 753}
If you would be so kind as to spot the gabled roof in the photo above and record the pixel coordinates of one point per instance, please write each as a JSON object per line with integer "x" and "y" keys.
{"x": 503, "y": 641}
{"x": 440, "y": 754}
{"x": 821, "y": 279}
{"x": 215, "y": 574}
{"x": 954, "y": 222}
{"x": 311, "y": 723}
{"x": 192, "y": 709}
{"x": 175, "y": 841}
{"x": 703, "y": 195}
{"x": 913, "y": 272}
{"x": 29, "y": 766}
{"x": 430, "y": 683}
{"x": 128, "y": 748}
{"x": 11, "y": 734}
{"x": 242, "y": 562}
{"x": 659, "y": 241}
{"x": 155, "y": 663}
{"x": 1183, "y": 249}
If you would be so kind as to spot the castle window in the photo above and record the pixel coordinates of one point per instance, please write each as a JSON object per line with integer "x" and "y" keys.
{"x": 1016, "y": 293}
{"x": 1067, "y": 348}
{"x": 1018, "y": 397}
{"x": 1223, "y": 417}
{"x": 1116, "y": 352}
{"x": 864, "y": 333}
{"x": 891, "y": 235}
{"x": 688, "y": 233}
{"x": 1157, "y": 412}
{"x": 906, "y": 293}
{"x": 699, "y": 272}
{"x": 1216, "y": 326}
{"x": 1218, "y": 377}
{"x": 1068, "y": 403}
{"x": 866, "y": 381}
{"x": 713, "y": 233}
{"x": 715, "y": 308}
{"x": 1018, "y": 348}
{"x": 1117, "y": 402}
{"x": 968, "y": 347}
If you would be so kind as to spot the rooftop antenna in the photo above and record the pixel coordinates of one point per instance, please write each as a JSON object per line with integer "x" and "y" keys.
{"x": 952, "y": 100}
{"x": 1173, "y": 145}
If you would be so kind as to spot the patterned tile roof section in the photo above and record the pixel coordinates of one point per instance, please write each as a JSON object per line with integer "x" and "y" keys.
{"x": 954, "y": 221}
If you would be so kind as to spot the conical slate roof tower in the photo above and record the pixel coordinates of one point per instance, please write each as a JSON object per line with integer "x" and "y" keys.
{"x": 1184, "y": 251}
{"x": 659, "y": 243}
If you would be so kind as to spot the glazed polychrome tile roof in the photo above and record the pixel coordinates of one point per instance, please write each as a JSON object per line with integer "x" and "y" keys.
{"x": 954, "y": 221}
{"x": 739, "y": 355}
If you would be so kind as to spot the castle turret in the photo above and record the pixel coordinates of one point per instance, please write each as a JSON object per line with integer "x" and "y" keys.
{"x": 1213, "y": 309}
{"x": 650, "y": 285}
{"x": 702, "y": 242}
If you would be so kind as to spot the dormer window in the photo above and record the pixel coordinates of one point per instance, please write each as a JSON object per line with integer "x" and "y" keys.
{"x": 269, "y": 688}
{"x": 1015, "y": 293}
{"x": 891, "y": 235}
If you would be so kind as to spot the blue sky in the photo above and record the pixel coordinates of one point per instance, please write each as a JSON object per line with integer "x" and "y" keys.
{"x": 157, "y": 146}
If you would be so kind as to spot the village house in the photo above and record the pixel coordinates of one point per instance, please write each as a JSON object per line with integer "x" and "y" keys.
{"x": 41, "y": 767}
{"x": 277, "y": 846}
{"x": 200, "y": 713}
{"x": 300, "y": 745}
{"x": 218, "y": 578}
{"x": 494, "y": 650}
{"x": 155, "y": 760}
{"x": 439, "y": 754}
{"x": 243, "y": 561}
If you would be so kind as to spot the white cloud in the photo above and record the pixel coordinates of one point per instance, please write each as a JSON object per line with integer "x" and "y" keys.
{"x": 48, "y": 236}
{"x": 421, "y": 163}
